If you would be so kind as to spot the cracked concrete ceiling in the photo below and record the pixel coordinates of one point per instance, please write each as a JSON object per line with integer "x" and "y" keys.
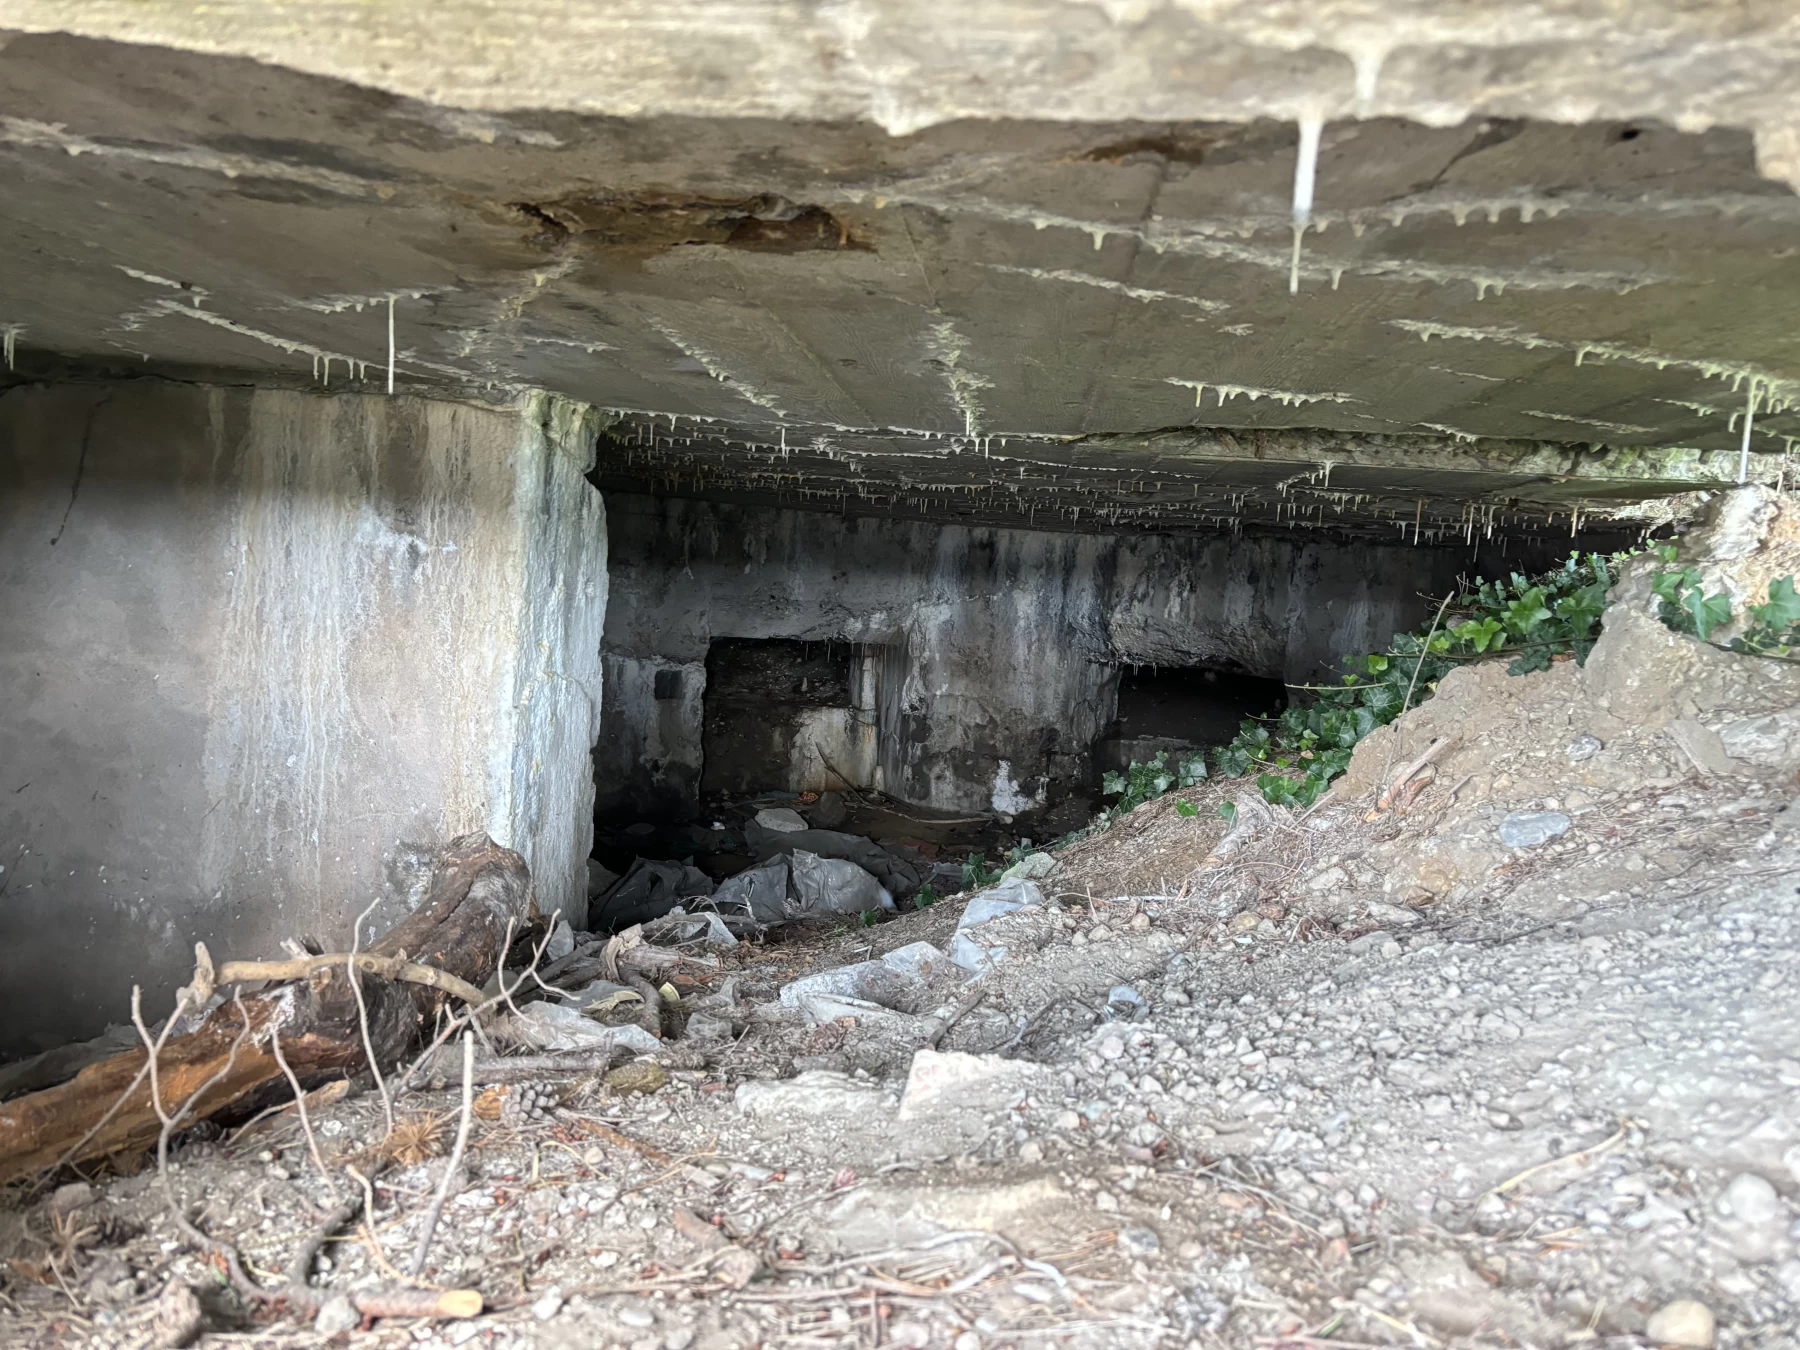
{"x": 1077, "y": 323}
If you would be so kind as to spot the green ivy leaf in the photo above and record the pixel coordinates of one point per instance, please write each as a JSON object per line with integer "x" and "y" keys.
{"x": 1186, "y": 810}
{"x": 1783, "y": 609}
{"x": 1707, "y": 612}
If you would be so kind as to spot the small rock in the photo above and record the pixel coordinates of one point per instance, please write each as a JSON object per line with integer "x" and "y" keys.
{"x": 1140, "y": 923}
{"x": 1110, "y": 1047}
{"x": 641, "y": 1075}
{"x": 1684, "y": 1322}
{"x": 1383, "y": 913}
{"x": 912, "y": 1335}
{"x": 637, "y": 1317}
{"x": 338, "y": 1315}
{"x": 967, "y": 1341}
{"x": 1031, "y": 1152}
{"x": 1099, "y": 933}
{"x": 67, "y": 1199}
{"x": 781, "y": 820}
{"x": 548, "y": 1306}
{"x": 1139, "y": 1242}
{"x": 1526, "y": 829}
{"x": 178, "y": 1316}
{"x": 1751, "y": 1198}
{"x": 1376, "y": 944}
{"x": 1584, "y": 747}
{"x": 1244, "y": 923}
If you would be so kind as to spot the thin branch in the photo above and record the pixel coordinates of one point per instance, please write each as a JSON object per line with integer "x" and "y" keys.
{"x": 312, "y": 1141}
{"x": 1414, "y": 682}
{"x": 362, "y": 1016}
{"x": 370, "y": 1240}
{"x": 299, "y": 1273}
{"x": 388, "y": 967}
{"x": 454, "y": 1164}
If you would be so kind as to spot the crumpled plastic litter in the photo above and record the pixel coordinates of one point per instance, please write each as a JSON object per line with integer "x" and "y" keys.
{"x": 1009, "y": 897}
{"x": 556, "y": 1026}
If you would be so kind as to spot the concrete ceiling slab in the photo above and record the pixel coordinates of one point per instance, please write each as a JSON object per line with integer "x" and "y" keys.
{"x": 1112, "y": 294}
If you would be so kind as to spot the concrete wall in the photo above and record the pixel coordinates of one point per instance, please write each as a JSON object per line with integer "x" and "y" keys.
{"x": 259, "y": 652}
{"x": 1012, "y": 639}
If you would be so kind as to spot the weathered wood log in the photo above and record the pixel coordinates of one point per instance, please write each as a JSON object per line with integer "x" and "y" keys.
{"x": 104, "y": 1111}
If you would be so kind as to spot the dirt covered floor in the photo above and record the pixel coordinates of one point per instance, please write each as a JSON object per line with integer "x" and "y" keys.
{"x": 1513, "y": 1062}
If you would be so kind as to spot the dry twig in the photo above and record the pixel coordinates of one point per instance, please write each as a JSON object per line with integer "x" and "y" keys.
{"x": 312, "y": 1142}
{"x": 362, "y": 1014}
{"x": 388, "y": 967}
{"x": 454, "y": 1164}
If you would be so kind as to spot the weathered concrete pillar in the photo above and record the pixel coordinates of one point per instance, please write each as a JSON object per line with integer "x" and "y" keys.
{"x": 258, "y": 651}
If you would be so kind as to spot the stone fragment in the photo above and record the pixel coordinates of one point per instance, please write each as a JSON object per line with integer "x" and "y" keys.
{"x": 641, "y": 1075}
{"x": 68, "y": 1198}
{"x": 817, "y": 1092}
{"x": 1685, "y": 1322}
{"x": 1139, "y": 1242}
{"x": 1751, "y": 1198}
{"x": 548, "y": 1305}
{"x": 178, "y": 1316}
{"x": 940, "y": 1081}
{"x": 336, "y": 1316}
{"x": 1584, "y": 747}
{"x": 781, "y": 819}
{"x": 1244, "y": 923}
{"x": 1382, "y": 912}
{"x": 1527, "y": 829}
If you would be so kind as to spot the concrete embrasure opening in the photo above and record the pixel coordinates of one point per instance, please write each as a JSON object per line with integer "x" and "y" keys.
{"x": 789, "y": 715}
{"x": 1175, "y": 709}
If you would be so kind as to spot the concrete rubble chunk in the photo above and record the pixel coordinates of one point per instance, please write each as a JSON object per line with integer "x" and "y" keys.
{"x": 1686, "y": 1322}
{"x": 1751, "y": 1198}
{"x": 815, "y": 1093}
{"x": 1032, "y": 867}
{"x": 781, "y": 819}
{"x": 1527, "y": 829}
{"x": 1584, "y": 747}
{"x": 952, "y": 1099}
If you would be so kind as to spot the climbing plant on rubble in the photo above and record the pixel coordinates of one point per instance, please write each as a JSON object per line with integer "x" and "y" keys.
{"x": 1145, "y": 780}
{"x": 1773, "y": 628}
{"x": 1532, "y": 620}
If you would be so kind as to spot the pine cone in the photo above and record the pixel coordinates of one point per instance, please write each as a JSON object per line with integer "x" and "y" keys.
{"x": 527, "y": 1103}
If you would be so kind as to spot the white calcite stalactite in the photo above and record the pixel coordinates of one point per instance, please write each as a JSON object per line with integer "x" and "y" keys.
{"x": 1306, "y": 168}
{"x": 1744, "y": 450}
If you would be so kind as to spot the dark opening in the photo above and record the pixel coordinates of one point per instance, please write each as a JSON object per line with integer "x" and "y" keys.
{"x": 667, "y": 684}
{"x": 1183, "y": 708}
{"x": 758, "y": 694}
